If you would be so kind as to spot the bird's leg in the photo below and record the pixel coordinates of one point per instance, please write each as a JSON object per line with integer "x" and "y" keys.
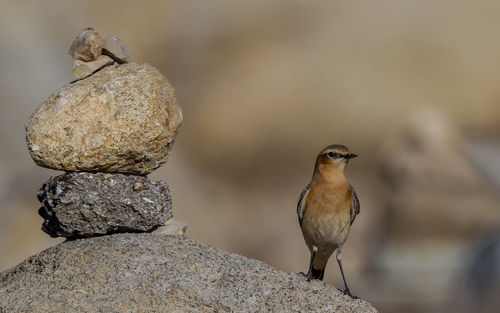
{"x": 339, "y": 260}
{"x": 310, "y": 272}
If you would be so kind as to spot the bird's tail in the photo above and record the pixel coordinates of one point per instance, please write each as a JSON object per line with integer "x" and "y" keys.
{"x": 318, "y": 274}
{"x": 319, "y": 264}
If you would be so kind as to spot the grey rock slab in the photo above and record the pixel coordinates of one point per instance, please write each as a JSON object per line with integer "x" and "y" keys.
{"x": 160, "y": 273}
{"x": 116, "y": 49}
{"x": 87, "y": 205}
{"x": 123, "y": 119}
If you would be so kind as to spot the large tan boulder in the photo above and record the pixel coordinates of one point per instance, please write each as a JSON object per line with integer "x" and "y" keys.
{"x": 122, "y": 119}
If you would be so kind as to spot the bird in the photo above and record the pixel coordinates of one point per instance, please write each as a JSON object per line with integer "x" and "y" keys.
{"x": 326, "y": 209}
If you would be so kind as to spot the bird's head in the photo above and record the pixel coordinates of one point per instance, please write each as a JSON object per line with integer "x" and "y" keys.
{"x": 333, "y": 159}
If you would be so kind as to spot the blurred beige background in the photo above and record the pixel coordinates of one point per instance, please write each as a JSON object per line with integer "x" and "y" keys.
{"x": 412, "y": 87}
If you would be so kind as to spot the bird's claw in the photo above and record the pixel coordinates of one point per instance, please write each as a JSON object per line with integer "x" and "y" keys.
{"x": 308, "y": 275}
{"x": 348, "y": 293}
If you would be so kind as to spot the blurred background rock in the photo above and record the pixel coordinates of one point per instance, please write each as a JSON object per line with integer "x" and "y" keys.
{"x": 413, "y": 88}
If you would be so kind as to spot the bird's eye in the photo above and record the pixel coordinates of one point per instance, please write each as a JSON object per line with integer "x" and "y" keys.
{"x": 331, "y": 154}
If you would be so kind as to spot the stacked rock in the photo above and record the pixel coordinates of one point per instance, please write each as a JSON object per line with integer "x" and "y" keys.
{"x": 91, "y": 53}
{"x": 107, "y": 131}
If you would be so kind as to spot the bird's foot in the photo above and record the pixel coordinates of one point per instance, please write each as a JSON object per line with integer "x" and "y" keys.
{"x": 348, "y": 293}
{"x": 308, "y": 275}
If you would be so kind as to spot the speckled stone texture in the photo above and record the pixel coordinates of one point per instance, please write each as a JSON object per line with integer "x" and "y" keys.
{"x": 87, "y": 205}
{"x": 122, "y": 119}
{"x": 160, "y": 273}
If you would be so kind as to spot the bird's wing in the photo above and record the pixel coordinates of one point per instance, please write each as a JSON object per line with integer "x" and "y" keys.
{"x": 301, "y": 206}
{"x": 354, "y": 206}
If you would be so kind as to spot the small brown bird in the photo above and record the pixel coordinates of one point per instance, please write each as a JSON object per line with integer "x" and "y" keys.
{"x": 327, "y": 208}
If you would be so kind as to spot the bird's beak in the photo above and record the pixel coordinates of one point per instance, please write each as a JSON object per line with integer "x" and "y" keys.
{"x": 352, "y": 155}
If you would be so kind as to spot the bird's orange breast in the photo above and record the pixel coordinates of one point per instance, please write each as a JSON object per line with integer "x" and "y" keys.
{"x": 329, "y": 199}
{"x": 326, "y": 221}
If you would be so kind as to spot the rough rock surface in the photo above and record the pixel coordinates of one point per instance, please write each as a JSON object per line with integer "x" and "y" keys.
{"x": 160, "y": 273}
{"x": 122, "y": 119}
{"x": 83, "y": 69}
{"x": 87, "y": 45}
{"x": 86, "y": 205}
{"x": 116, "y": 49}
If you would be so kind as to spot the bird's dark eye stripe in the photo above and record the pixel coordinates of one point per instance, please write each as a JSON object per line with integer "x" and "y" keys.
{"x": 337, "y": 155}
